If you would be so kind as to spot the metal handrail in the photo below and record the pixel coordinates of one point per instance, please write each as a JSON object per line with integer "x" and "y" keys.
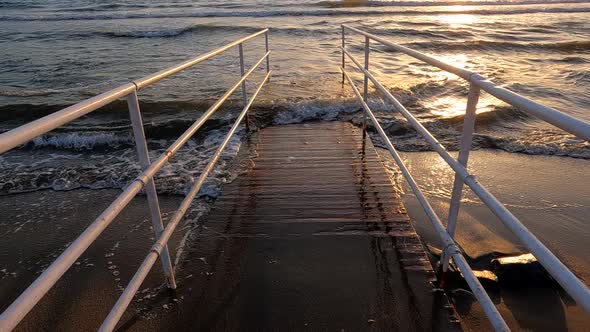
{"x": 119, "y": 308}
{"x": 559, "y": 119}
{"x": 27, "y": 132}
{"x": 8, "y": 140}
{"x": 575, "y": 288}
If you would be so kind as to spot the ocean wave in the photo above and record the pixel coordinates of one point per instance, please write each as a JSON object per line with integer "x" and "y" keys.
{"x": 572, "y": 59}
{"x": 107, "y": 159}
{"x": 81, "y": 141}
{"x": 428, "y": 33}
{"x": 494, "y": 127}
{"x": 402, "y": 3}
{"x": 498, "y": 115}
{"x": 194, "y": 28}
{"x": 18, "y": 5}
{"x": 174, "y": 32}
{"x": 109, "y": 129}
{"x": 126, "y": 6}
{"x": 7, "y": 91}
{"x": 491, "y": 45}
{"x": 288, "y": 13}
{"x": 106, "y": 169}
{"x": 579, "y": 77}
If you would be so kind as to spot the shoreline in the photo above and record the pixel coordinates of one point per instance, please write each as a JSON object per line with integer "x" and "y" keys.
{"x": 557, "y": 219}
{"x": 37, "y": 226}
{"x": 35, "y": 216}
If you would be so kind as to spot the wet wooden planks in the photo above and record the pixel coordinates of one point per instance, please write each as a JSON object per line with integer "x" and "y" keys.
{"x": 314, "y": 172}
{"x": 313, "y": 237}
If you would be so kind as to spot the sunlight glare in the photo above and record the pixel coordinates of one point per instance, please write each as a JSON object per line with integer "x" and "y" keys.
{"x": 457, "y": 20}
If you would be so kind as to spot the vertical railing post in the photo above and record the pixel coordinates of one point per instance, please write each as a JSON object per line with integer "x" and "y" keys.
{"x": 366, "y": 87}
{"x": 465, "y": 147}
{"x": 268, "y": 56}
{"x": 244, "y": 92}
{"x": 343, "y": 56}
{"x": 150, "y": 187}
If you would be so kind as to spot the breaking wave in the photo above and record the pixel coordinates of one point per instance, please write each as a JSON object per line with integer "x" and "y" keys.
{"x": 81, "y": 141}
{"x": 286, "y": 13}
{"x": 490, "y": 45}
{"x": 400, "y": 3}
{"x": 178, "y": 31}
{"x": 103, "y": 155}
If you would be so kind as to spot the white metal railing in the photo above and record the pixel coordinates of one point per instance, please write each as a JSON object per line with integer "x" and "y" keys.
{"x": 575, "y": 288}
{"x": 13, "y": 138}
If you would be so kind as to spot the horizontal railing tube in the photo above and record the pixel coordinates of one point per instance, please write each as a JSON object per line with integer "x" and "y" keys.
{"x": 33, "y": 294}
{"x": 461, "y": 72}
{"x": 449, "y": 244}
{"x": 27, "y": 132}
{"x": 125, "y": 299}
{"x": 559, "y": 119}
{"x": 151, "y": 79}
{"x": 27, "y": 300}
{"x": 575, "y": 288}
{"x": 188, "y": 134}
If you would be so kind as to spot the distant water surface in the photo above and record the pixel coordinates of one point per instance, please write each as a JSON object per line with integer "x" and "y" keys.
{"x": 54, "y": 53}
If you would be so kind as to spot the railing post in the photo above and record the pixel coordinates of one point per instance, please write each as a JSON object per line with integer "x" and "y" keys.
{"x": 343, "y": 57}
{"x": 465, "y": 147}
{"x": 268, "y": 57}
{"x": 150, "y": 187}
{"x": 244, "y": 93}
{"x": 366, "y": 87}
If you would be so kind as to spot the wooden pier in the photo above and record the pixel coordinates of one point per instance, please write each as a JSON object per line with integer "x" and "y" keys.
{"x": 314, "y": 237}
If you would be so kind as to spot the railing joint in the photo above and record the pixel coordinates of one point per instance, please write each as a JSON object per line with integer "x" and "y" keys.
{"x": 8, "y": 140}
{"x": 469, "y": 176}
{"x": 475, "y": 77}
{"x": 143, "y": 183}
{"x": 449, "y": 251}
{"x": 157, "y": 249}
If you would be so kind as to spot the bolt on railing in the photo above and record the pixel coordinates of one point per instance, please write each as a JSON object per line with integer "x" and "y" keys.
{"x": 15, "y": 137}
{"x": 575, "y": 288}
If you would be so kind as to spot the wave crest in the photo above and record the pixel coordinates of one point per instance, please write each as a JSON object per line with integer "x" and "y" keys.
{"x": 178, "y": 31}
{"x": 81, "y": 141}
{"x": 490, "y": 45}
{"x": 288, "y": 13}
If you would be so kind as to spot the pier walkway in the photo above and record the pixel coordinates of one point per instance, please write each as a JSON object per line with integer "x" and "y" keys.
{"x": 314, "y": 237}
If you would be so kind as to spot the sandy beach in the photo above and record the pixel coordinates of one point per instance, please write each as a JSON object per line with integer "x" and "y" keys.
{"x": 530, "y": 187}
{"x": 37, "y": 226}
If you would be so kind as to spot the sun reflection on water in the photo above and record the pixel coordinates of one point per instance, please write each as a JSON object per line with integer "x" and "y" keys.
{"x": 458, "y": 20}
{"x": 460, "y": 60}
{"x": 453, "y": 106}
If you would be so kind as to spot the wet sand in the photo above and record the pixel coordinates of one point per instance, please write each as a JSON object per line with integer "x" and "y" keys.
{"x": 35, "y": 228}
{"x": 82, "y": 299}
{"x": 550, "y": 195}
{"x": 341, "y": 259}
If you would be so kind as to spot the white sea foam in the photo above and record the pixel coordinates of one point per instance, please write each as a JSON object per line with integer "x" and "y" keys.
{"x": 81, "y": 141}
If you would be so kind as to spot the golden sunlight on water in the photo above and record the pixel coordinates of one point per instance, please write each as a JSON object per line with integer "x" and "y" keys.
{"x": 459, "y": 59}
{"x": 457, "y": 20}
{"x": 453, "y": 106}
{"x": 448, "y": 106}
